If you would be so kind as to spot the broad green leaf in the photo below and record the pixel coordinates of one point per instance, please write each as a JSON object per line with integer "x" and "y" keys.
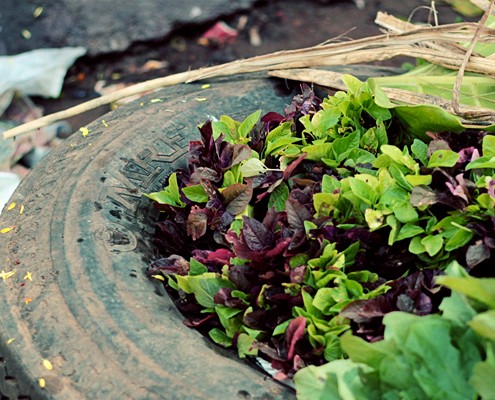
{"x": 332, "y": 350}
{"x": 443, "y": 158}
{"x": 230, "y": 318}
{"x": 279, "y": 197}
{"x": 248, "y": 124}
{"x": 281, "y": 328}
{"x": 488, "y": 146}
{"x": 398, "y": 173}
{"x": 418, "y": 180}
{"x": 280, "y": 145}
{"x": 406, "y": 213}
{"x": 362, "y": 191}
{"x": 465, "y": 8}
{"x": 220, "y": 337}
{"x": 393, "y": 152}
{"x": 229, "y": 128}
{"x": 324, "y": 299}
{"x": 359, "y": 156}
{"x": 195, "y": 193}
{"x": 221, "y": 128}
{"x": 325, "y": 203}
{"x": 420, "y": 151}
{"x": 432, "y": 244}
{"x": 460, "y": 238}
{"x": 252, "y": 167}
{"x": 483, "y": 373}
{"x": 481, "y": 289}
{"x": 204, "y": 287}
{"x": 364, "y": 352}
{"x": 281, "y": 131}
{"x": 394, "y": 225}
{"x": 337, "y": 380}
{"x": 476, "y": 89}
{"x": 245, "y": 346}
{"x": 484, "y": 324}
{"x": 482, "y": 162}
{"x": 486, "y": 201}
{"x": 354, "y": 289}
{"x": 408, "y": 231}
{"x": 315, "y": 337}
{"x": 315, "y": 152}
{"x": 196, "y": 267}
{"x": 415, "y": 245}
{"x": 324, "y": 120}
{"x": 354, "y": 85}
{"x": 374, "y": 218}
{"x": 330, "y": 184}
{"x": 169, "y": 195}
{"x": 229, "y": 179}
{"x": 423, "y": 118}
{"x": 342, "y": 146}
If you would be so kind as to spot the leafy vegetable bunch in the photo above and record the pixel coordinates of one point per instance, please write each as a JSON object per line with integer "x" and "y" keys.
{"x": 285, "y": 232}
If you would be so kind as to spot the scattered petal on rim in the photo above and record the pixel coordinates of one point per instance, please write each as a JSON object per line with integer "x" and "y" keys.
{"x": 84, "y": 131}
{"x": 6, "y": 275}
{"x": 47, "y": 364}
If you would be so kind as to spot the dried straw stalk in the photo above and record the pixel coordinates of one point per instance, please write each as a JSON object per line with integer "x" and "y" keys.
{"x": 437, "y": 45}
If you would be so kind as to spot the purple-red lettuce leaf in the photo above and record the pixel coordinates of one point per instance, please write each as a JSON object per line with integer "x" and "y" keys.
{"x": 416, "y": 293}
{"x": 236, "y": 197}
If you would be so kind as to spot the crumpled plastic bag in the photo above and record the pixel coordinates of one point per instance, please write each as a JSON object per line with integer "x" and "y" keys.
{"x": 38, "y": 72}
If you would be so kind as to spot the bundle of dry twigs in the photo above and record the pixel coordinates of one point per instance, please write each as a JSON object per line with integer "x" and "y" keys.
{"x": 449, "y": 45}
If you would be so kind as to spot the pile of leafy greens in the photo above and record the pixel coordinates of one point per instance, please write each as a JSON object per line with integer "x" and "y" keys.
{"x": 321, "y": 240}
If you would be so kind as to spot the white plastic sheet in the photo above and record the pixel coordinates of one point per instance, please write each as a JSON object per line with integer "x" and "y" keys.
{"x": 38, "y": 72}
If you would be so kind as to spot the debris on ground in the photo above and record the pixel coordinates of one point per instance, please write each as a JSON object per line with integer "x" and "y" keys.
{"x": 218, "y": 35}
{"x": 35, "y": 73}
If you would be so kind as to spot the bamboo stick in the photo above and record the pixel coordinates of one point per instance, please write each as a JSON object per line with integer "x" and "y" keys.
{"x": 413, "y": 43}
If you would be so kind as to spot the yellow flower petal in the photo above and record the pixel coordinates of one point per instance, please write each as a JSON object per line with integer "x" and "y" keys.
{"x": 6, "y": 275}
{"x": 9, "y": 341}
{"x": 7, "y": 229}
{"x": 38, "y": 12}
{"x": 84, "y": 131}
{"x": 12, "y": 205}
{"x": 159, "y": 277}
{"x": 21, "y": 209}
{"x": 28, "y": 276}
{"x": 47, "y": 364}
{"x": 26, "y": 34}
{"x": 42, "y": 382}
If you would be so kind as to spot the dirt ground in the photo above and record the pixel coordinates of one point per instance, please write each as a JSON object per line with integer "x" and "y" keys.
{"x": 269, "y": 26}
